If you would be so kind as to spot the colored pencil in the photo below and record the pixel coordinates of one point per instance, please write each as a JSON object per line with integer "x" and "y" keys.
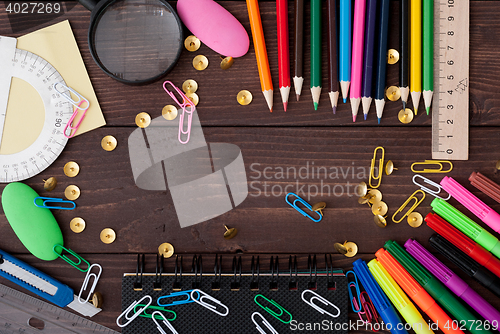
{"x": 366, "y": 89}
{"x": 333, "y": 76}
{"x": 404, "y": 52}
{"x": 345, "y": 47}
{"x": 383, "y": 30}
{"x": 283, "y": 50}
{"x": 428, "y": 53}
{"x": 298, "y": 78}
{"x": 315, "y": 51}
{"x": 415, "y": 52}
{"x": 260, "y": 51}
{"x": 358, "y": 32}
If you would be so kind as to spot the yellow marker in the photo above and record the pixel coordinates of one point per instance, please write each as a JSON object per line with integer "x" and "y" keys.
{"x": 415, "y": 52}
{"x": 398, "y": 298}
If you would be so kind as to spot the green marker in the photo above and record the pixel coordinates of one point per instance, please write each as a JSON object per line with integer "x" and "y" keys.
{"x": 315, "y": 51}
{"x": 436, "y": 289}
{"x": 428, "y": 52}
{"x": 469, "y": 227}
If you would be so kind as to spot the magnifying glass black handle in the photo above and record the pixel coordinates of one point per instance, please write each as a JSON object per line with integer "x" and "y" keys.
{"x": 89, "y": 4}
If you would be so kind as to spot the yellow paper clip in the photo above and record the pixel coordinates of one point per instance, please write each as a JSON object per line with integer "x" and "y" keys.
{"x": 438, "y": 163}
{"x": 380, "y": 168}
{"x": 405, "y": 204}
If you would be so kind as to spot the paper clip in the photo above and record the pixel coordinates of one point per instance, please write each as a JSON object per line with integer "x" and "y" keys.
{"x": 356, "y": 307}
{"x": 86, "y": 283}
{"x": 76, "y": 103}
{"x": 186, "y": 102}
{"x": 322, "y": 300}
{"x": 186, "y": 293}
{"x": 265, "y": 322}
{"x": 379, "y": 169}
{"x": 271, "y": 312}
{"x": 71, "y": 120}
{"x": 165, "y": 322}
{"x": 75, "y": 264}
{"x": 368, "y": 310}
{"x": 432, "y": 192}
{"x": 50, "y": 203}
{"x": 130, "y": 308}
{"x": 211, "y": 307}
{"x": 438, "y": 163}
{"x": 410, "y": 210}
{"x": 145, "y": 314}
{"x": 307, "y": 205}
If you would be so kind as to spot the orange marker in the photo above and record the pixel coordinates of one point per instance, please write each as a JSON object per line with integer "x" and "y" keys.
{"x": 416, "y": 292}
{"x": 260, "y": 51}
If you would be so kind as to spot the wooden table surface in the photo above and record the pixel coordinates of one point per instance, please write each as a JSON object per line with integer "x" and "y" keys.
{"x": 270, "y": 143}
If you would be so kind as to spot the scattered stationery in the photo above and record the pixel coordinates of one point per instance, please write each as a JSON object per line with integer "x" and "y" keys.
{"x": 298, "y": 48}
{"x": 415, "y": 52}
{"x": 381, "y": 56}
{"x": 358, "y": 32}
{"x": 366, "y": 91}
{"x": 345, "y": 47}
{"x": 315, "y": 51}
{"x": 283, "y": 50}
{"x": 333, "y": 77}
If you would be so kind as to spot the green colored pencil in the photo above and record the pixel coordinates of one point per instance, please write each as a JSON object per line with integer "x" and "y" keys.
{"x": 315, "y": 51}
{"x": 428, "y": 52}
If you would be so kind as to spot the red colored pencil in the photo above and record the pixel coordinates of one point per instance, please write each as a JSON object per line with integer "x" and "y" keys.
{"x": 283, "y": 50}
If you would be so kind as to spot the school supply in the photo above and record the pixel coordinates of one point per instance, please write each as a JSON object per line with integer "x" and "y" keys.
{"x": 404, "y": 50}
{"x": 415, "y": 52}
{"x": 53, "y": 203}
{"x": 366, "y": 89}
{"x": 264, "y": 321}
{"x": 486, "y": 185}
{"x": 275, "y": 294}
{"x": 316, "y": 51}
{"x": 471, "y": 202}
{"x": 358, "y": 32}
{"x": 187, "y": 108}
{"x": 298, "y": 47}
{"x": 439, "y": 163}
{"x": 80, "y": 104}
{"x": 345, "y": 47}
{"x": 381, "y": 56}
{"x": 410, "y": 214}
{"x": 423, "y": 186}
{"x": 428, "y": 53}
{"x": 452, "y": 281}
{"x": 468, "y": 227}
{"x": 333, "y": 66}
{"x": 283, "y": 50}
{"x": 308, "y": 206}
{"x": 215, "y": 26}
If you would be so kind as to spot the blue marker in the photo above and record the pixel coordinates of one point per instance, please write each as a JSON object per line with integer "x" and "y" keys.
{"x": 345, "y": 47}
{"x": 379, "y": 299}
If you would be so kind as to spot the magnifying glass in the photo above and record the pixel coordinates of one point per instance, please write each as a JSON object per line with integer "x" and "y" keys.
{"x": 134, "y": 41}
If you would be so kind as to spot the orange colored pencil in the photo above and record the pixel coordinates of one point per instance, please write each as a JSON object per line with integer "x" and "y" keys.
{"x": 260, "y": 51}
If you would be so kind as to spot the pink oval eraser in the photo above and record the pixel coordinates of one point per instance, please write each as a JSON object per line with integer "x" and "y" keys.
{"x": 214, "y": 26}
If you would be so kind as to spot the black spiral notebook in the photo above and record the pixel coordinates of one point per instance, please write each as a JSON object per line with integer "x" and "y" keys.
{"x": 278, "y": 291}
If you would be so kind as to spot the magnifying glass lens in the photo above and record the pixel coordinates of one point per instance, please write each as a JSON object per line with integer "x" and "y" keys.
{"x": 136, "y": 40}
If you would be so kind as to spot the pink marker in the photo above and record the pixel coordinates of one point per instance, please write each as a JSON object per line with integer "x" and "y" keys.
{"x": 471, "y": 202}
{"x": 357, "y": 55}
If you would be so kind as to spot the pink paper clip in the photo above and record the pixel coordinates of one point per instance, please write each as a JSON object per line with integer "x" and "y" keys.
{"x": 368, "y": 309}
{"x": 75, "y": 103}
{"x": 70, "y": 122}
{"x": 184, "y": 106}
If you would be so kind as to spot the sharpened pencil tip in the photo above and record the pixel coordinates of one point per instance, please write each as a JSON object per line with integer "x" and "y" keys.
{"x": 271, "y": 110}
{"x": 365, "y": 116}
{"x": 285, "y": 104}
{"x": 345, "y": 100}
{"x": 354, "y": 118}
{"x": 404, "y": 105}
{"x": 315, "y": 105}
{"x": 379, "y": 120}
{"x": 334, "y": 110}
{"x": 298, "y": 97}
{"x": 416, "y": 110}
{"x": 427, "y": 110}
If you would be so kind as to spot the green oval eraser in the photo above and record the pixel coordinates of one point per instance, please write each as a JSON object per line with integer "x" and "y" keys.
{"x": 35, "y": 227}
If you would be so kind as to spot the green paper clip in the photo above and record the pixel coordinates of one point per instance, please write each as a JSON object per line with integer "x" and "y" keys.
{"x": 271, "y": 312}
{"x": 145, "y": 314}
{"x": 74, "y": 264}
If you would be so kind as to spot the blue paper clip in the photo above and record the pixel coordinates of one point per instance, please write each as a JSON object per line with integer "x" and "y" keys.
{"x": 302, "y": 212}
{"x": 46, "y": 203}
{"x": 356, "y": 306}
{"x": 186, "y": 293}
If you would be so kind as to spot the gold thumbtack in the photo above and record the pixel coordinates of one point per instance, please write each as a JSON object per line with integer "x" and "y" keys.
{"x": 108, "y": 235}
{"x": 392, "y": 56}
{"x": 375, "y": 195}
{"x": 389, "y": 167}
{"x": 71, "y": 169}
{"x": 348, "y": 248}
{"x": 72, "y": 192}
{"x": 109, "y": 143}
{"x": 364, "y": 200}
{"x": 169, "y": 112}
{"x": 190, "y": 86}
{"x": 200, "y": 62}
{"x": 97, "y": 299}
{"x": 230, "y": 233}
{"x": 143, "y": 120}
{"x": 415, "y": 219}
{"x": 319, "y": 207}
{"x": 380, "y": 221}
{"x": 192, "y": 43}
{"x": 77, "y": 225}
{"x": 405, "y": 116}
{"x": 166, "y": 249}
{"x": 498, "y": 165}
{"x": 226, "y": 63}
{"x": 393, "y": 93}
{"x": 362, "y": 189}
{"x": 244, "y": 97}
{"x": 379, "y": 208}
{"x": 193, "y": 97}
{"x": 50, "y": 183}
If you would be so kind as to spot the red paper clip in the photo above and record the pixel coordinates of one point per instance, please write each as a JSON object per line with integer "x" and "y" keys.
{"x": 368, "y": 309}
{"x": 186, "y": 102}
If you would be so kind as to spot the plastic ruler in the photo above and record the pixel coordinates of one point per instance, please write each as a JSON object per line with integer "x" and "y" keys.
{"x": 450, "y": 111}
{"x": 17, "y": 309}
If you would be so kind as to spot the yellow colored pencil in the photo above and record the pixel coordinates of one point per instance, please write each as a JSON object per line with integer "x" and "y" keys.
{"x": 260, "y": 51}
{"x": 415, "y": 52}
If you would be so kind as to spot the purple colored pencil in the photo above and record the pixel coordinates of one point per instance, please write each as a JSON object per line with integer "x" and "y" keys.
{"x": 366, "y": 88}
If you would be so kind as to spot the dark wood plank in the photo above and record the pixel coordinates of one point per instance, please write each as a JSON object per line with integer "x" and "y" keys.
{"x": 218, "y": 88}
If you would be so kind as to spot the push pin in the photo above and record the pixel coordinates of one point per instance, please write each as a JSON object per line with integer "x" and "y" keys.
{"x": 374, "y": 195}
{"x": 97, "y": 299}
{"x": 348, "y": 248}
{"x": 169, "y": 112}
{"x": 226, "y": 63}
{"x": 143, "y": 120}
{"x": 379, "y": 208}
{"x": 389, "y": 167}
{"x": 415, "y": 219}
{"x": 380, "y": 221}
{"x": 77, "y": 225}
{"x": 405, "y": 116}
{"x": 192, "y": 43}
{"x": 71, "y": 169}
{"x": 244, "y": 97}
{"x": 392, "y": 56}
{"x": 200, "y": 62}
{"x": 193, "y": 97}
{"x": 362, "y": 189}
{"x": 189, "y": 86}
{"x": 72, "y": 192}
{"x": 108, "y": 236}
{"x": 50, "y": 184}
{"x": 365, "y": 200}
{"x": 230, "y": 233}
{"x": 166, "y": 249}
{"x": 319, "y": 207}
{"x": 393, "y": 93}
{"x": 109, "y": 143}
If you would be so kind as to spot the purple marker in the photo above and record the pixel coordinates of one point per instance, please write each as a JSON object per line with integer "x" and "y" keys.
{"x": 366, "y": 88}
{"x": 452, "y": 281}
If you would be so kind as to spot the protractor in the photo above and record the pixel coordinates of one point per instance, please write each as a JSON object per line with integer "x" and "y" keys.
{"x": 33, "y": 114}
